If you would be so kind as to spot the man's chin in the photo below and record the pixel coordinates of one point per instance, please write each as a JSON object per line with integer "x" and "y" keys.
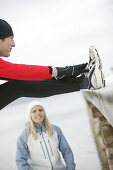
{"x": 4, "y": 56}
{"x": 7, "y": 55}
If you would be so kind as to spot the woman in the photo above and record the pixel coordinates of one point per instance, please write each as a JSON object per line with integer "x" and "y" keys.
{"x": 39, "y": 144}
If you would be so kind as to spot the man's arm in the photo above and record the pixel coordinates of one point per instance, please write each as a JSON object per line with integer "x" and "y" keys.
{"x": 23, "y": 72}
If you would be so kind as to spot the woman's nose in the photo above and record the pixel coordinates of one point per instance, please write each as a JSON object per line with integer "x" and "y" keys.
{"x": 38, "y": 113}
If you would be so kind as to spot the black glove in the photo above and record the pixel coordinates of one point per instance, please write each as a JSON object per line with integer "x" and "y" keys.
{"x": 71, "y": 71}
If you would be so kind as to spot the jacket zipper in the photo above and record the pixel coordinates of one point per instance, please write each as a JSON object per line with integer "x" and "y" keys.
{"x": 50, "y": 147}
{"x": 42, "y": 149}
{"x": 47, "y": 150}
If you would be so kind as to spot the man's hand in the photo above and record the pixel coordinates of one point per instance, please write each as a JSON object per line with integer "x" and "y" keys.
{"x": 70, "y": 71}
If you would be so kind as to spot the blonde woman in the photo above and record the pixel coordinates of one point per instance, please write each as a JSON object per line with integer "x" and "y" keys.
{"x": 39, "y": 144}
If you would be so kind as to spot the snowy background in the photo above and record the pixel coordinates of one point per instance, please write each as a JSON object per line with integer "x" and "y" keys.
{"x": 57, "y": 33}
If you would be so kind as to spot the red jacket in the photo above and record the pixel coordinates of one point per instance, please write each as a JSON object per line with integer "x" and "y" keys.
{"x": 23, "y": 72}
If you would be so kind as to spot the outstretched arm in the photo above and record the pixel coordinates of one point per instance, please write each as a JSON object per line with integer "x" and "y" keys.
{"x": 23, "y": 72}
{"x": 33, "y": 72}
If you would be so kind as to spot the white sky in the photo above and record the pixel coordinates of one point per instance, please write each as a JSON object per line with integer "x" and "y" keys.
{"x": 60, "y": 32}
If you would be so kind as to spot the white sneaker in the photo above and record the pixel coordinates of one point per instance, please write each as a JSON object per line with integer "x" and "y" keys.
{"x": 95, "y": 75}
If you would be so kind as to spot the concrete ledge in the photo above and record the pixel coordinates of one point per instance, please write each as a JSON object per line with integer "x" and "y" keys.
{"x": 102, "y": 99}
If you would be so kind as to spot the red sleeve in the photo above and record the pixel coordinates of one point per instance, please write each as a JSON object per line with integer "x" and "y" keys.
{"x": 23, "y": 72}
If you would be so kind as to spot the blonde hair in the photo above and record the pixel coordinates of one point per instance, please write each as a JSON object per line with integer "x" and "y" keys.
{"x": 32, "y": 128}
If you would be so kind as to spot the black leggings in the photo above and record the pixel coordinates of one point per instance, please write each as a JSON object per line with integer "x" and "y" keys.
{"x": 15, "y": 89}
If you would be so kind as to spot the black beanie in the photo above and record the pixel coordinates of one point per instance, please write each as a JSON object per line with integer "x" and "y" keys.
{"x": 5, "y": 29}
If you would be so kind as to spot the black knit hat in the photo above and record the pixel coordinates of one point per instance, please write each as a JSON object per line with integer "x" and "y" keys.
{"x": 5, "y": 29}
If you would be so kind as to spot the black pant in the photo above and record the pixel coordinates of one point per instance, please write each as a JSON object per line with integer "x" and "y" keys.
{"x": 15, "y": 89}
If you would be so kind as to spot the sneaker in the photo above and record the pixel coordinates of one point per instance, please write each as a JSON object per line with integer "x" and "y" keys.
{"x": 95, "y": 74}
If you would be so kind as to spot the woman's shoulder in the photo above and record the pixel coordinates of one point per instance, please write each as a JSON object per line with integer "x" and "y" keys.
{"x": 56, "y": 128}
{"x": 24, "y": 134}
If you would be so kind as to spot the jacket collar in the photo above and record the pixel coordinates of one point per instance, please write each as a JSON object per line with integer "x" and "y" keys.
{"x": 42, "y": 129}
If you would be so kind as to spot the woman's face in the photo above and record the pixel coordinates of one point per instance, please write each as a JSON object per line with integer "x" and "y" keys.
{"x": 37, "y": 115}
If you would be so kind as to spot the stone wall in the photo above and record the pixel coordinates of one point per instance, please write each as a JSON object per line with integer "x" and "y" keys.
{"x": 100, "y": 109}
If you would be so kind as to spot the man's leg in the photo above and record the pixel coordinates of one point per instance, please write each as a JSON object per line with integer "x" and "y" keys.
{"x": 52, "y": 87}
{"x": 15, "y": 89}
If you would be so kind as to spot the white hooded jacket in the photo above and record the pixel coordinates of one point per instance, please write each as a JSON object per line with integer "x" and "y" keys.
{"x": 43, "y": 153}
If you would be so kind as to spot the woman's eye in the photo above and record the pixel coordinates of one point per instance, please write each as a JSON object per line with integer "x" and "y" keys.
{"x": 34, "y": 111}
{"x": 40, "y": 110}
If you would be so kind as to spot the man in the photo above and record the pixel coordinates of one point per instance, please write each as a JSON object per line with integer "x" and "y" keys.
{"x": 42, "y": 81}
